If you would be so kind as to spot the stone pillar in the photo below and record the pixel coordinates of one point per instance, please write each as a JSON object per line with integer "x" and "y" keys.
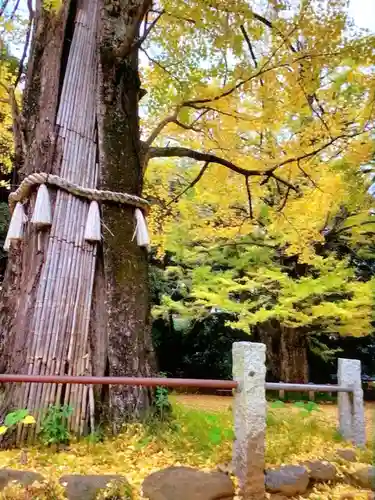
{"x": 351, "y": 405}
{"x": 249, "y": 370}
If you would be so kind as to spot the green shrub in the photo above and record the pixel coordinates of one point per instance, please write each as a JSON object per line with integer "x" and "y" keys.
{"x": 54, "y": 427}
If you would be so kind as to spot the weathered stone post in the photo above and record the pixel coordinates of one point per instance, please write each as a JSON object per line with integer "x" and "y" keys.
{"x": 351, "y": 407}
{"x": 249, "y": 370}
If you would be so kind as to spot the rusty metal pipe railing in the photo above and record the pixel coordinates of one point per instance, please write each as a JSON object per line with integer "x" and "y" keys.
{"x": 165, "y": 382}
{"x": 133, "y": 381}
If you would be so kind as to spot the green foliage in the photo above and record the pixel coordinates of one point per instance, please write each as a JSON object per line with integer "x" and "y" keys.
{"x": 325, "y": 296}
{"x": 54, "y": 426}
{"x": 306, "y": 407}
{"x": 16, "y": 417}
{"x": 95, "y": 436}
{"x": 195, "y": 431}
{"x": 162, "y": 403}
{"x": 278, "y": 404}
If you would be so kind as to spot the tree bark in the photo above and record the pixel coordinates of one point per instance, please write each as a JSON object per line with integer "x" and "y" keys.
{"x": 89, "y": 303}
{"x": 125, "y": 264}
{"x": 286, "y": 352}
{"x": 293, "y": 356}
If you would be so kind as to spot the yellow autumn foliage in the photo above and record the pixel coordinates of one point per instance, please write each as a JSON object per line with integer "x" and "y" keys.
{"x": 265, "y": 119}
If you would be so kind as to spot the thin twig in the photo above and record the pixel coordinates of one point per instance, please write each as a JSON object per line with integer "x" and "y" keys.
{"x": 285, "y": 200}
{"x": 239, "y": 243}
{"x": 270, "y": 25}
{"x": 186, "y": 127}
{"x": 140, "y": 40}
{"x": 191, "y": 185}
{"x": 308, "y": 176}
{"x": 27, "y": 42}
{"x": 247, "y": 39}
{"x": 247, "y": 181}
{"x": 264, "y": 69}
{"x": 157, "y": 63}
{"x": 283, "y": 181}
{"x": 3, "y": 6}
{"x": 15, "y": 8}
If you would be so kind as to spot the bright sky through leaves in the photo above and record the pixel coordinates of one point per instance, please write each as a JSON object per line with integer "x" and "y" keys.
{"x": 363, "y": 12}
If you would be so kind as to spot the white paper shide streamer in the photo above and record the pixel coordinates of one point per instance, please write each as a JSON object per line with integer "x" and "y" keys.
{"x": 16, "y": 226}
{"x": 141, "y": 231}
{"x": 93, "y": 229}
{"x": 42, "y": 215}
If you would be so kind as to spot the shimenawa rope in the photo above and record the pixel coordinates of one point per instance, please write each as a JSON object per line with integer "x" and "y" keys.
{"x": 36, "y": 178}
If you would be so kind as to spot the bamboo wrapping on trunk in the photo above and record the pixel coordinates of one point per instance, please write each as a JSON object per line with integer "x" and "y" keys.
{"x": 60, "y": 323}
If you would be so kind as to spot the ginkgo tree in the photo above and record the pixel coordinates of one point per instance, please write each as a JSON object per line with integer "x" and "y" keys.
{"x": 249, "y": 109}
{"x": 216, "y": 209}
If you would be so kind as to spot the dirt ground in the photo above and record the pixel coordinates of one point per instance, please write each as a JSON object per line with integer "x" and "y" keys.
{"x": 222, "y": 403}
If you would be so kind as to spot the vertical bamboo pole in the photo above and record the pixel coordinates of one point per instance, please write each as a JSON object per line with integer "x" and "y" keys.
{"x": 60, "y": 323}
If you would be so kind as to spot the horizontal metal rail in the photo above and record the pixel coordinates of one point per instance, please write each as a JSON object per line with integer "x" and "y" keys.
{"x": 165, "y": 382}
{"x": 280, "y": 386}
{"x": 133, "y": 381}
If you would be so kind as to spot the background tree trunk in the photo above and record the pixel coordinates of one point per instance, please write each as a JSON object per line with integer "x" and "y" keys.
{"x": 93, "y": 302}
{"x": 293, "y": 356}
{"x": 286, "y": 352}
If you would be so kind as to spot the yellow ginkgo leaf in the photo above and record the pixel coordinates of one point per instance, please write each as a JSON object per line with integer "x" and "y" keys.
{"x": 28, "y": 420}
{"x": 3, "y": 429}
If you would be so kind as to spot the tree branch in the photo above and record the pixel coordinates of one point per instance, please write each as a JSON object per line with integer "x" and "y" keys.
{"x": 158, "y": 129}
{"x": 27, "y": 42}
{"x": 283, "y": 181}
{"x": 3, "y": 6}
{"x": 352, "y": 226}
{"x": 307, "y": 175}
{"x": 172, "y": 119}
{"x": 186, "y": 127}
{"x": 210, "y": 108}
{"x": 315, "y": 151}
{"x": 140, "y": 40}
{"x": 15, "y": 8}
{"x": 282, "y": 206}
{"x": 247, "y": 39}
{"x": 247, "y": 181}
{"x": 235, "y": 87}
{"x": 308, "y": 98}
{"x": 260, "y": 244}
{"x": 192, "y": 184}
{"x": 270, "y": 25}
{"x": 261, "y": 71}
{"x": 123, "y": 50}
{"x": 181, "y": 152}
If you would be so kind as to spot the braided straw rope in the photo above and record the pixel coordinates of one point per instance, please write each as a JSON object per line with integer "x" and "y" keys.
{"x": 91, "y": 194}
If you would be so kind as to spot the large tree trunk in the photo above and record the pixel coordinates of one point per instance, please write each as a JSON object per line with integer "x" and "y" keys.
{"x": 70, "y": 306}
